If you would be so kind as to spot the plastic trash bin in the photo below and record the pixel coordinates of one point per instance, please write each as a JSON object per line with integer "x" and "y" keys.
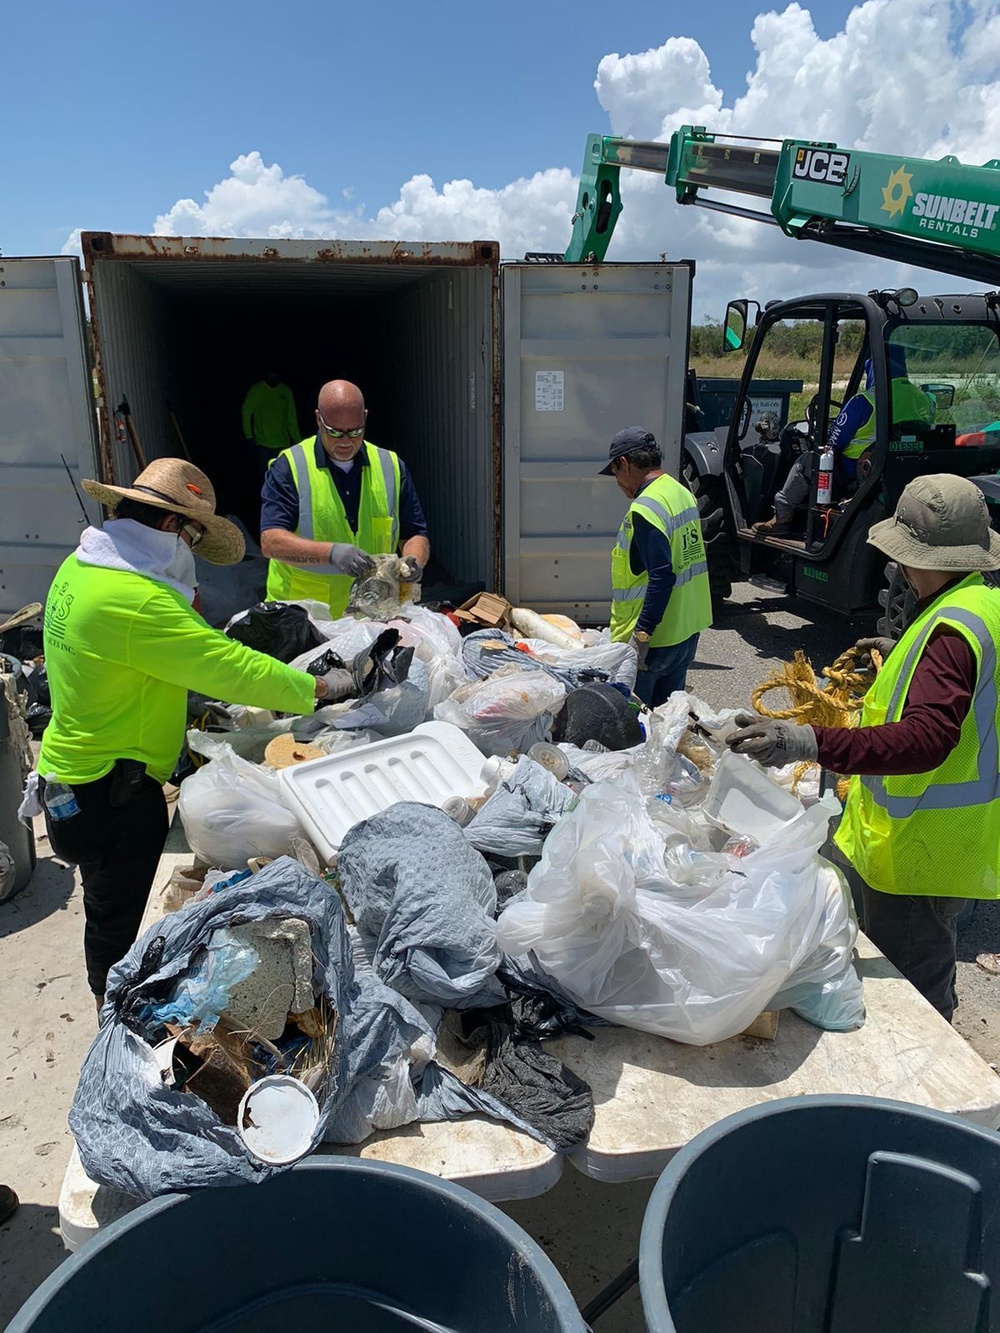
{"x": 338, "y": 1244}
{"x": 826, "y": 1215}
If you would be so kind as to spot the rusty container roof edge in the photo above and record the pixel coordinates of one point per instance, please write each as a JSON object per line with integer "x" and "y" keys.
{"x": 103, "y": 245}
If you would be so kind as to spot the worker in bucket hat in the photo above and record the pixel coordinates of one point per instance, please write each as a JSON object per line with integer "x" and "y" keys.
{"x": 123, "y": 646}
{"x": 921, "y": 826}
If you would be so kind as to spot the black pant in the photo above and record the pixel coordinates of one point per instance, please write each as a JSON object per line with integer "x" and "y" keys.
{"x": 117, "y": 848}
{"x": 917, "y": 935}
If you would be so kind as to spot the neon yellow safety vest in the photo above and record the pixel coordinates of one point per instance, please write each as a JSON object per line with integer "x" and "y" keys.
{"x": 935, "y": 833}
{"x": 322, "y": 518}
{"x": 672, "y": 509}
{"x": 908, "y": 404}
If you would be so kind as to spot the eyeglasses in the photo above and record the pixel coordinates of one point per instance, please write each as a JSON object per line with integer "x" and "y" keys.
{"x": 355, "y": 434}
{"x": 195, "y": 531}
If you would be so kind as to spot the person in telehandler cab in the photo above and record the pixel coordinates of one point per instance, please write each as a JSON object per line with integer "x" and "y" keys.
{"x": 851, "y": 435}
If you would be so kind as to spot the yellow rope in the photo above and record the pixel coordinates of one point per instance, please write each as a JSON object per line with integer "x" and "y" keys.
{"x": 837, "y": 704}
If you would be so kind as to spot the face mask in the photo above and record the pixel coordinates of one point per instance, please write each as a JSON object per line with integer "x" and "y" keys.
{"x": 182, "y": 567}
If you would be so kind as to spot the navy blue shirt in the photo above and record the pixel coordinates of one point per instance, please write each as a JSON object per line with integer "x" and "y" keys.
{"x": 650, "y": 551}
{"x": 279, "y": 507}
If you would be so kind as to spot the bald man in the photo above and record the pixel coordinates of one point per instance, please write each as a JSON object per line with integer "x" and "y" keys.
{"x": 332, "y": 502}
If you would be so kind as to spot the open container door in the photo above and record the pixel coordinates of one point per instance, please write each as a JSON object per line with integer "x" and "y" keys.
{"x": 587, "y": 350}
{"x": 46, "y": 414}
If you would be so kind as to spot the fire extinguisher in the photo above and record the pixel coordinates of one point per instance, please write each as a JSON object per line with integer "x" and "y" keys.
{"x": 824, "y": 481}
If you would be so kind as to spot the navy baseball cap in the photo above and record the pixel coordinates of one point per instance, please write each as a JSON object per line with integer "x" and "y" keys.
{"x": 627, "y": 439}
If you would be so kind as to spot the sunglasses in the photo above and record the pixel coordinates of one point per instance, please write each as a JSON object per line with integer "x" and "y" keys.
{"x": 195, "y": 531}
{"x": 355, "y": 434}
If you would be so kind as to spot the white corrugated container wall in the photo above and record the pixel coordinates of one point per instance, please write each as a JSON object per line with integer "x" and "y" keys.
{"x": 587, "y": 350}
{"x": 46, "y": 417}
{"x": 184, "y": 325}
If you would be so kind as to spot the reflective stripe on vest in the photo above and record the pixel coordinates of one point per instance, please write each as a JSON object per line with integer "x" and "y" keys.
{"x": 689, "y": 609}
{"x": 908, "y": 404}
{"x": 951, "y": 795}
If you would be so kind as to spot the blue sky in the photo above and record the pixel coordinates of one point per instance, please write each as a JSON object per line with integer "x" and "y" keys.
{"x": 464, "y": 121}
{"x": 122, "y": 109}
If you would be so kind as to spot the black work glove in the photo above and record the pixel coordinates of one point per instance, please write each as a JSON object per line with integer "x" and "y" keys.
{"x": 882, "y": 645}
{"x": 348, "y": 559}
{"x": 640, "y": 649}
{"x": 773, "y": 743}
{"x": 410, "y": 569}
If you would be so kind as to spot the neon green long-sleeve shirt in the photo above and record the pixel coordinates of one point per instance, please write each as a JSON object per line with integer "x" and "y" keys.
{"x": 269, "y": 416}
{"x": 121, "y": 652}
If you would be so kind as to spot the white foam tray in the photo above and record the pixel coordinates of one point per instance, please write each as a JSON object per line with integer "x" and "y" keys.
{"x": 745, "y": 800}
{"x": 435, "y": 762}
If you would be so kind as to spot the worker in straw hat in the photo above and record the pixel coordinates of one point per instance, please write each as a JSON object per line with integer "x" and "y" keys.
{"x": 921, "y": 827}
{"x": 123, "y": 645}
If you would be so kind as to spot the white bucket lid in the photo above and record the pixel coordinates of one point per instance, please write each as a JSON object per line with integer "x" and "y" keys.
{"x": 277, "y": 1119}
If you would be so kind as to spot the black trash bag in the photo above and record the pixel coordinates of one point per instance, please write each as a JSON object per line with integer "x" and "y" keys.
{"x": 326, "y": 662}
{"x": 515, "y": 1070}
{"x": 280, "y": 629}
{"x": 37, "y": 717}
{"x": 384, "y": 664}
{"x": 599, "y": 713}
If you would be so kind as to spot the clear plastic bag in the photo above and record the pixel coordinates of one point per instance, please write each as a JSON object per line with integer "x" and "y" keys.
{"x": 201, "y": 994}
{"x": 602, "y": 918}
{"x": 232, "y": 810}
{"x": 506, "y": 713}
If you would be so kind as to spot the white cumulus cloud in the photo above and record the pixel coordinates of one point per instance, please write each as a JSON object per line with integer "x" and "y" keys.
{"x": 917, "y": 78}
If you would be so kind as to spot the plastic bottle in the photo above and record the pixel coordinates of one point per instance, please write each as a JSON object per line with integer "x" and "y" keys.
{"x": 824, "y": 479}
{"x": 60, "y": 800}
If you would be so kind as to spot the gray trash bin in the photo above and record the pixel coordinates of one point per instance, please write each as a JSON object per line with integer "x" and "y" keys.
{"x": 826, "y": 1215}
{"x": 336, "y": 1244}
{"x": 17, "y": 837}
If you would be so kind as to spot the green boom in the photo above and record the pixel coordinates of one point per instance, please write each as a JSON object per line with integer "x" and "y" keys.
{"x": 939, "y": 214}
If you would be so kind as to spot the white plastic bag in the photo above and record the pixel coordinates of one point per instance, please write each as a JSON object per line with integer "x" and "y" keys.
{"x": 601, "y": 917}
{"x": 438, "y": 645}
{"x": 617, "y": 661}
{"x": 232, "y": 810}
{"x": 507, "y": 712}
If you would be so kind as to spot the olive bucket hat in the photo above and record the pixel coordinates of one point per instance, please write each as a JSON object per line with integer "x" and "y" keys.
{"x": 942, "y": 523}
{"x": 178, "y": 487}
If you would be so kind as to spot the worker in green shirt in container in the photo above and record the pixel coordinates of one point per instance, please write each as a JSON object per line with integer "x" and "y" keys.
{"x": 123, "y": 646}
{"x": 270, "y": 422}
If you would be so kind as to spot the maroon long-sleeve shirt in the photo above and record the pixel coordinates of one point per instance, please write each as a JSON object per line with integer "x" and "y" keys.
{"x": 938, "y": 699}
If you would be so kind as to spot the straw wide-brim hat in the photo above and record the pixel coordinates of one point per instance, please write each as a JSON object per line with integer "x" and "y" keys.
{"x": 942, "y": 522}
{"x": 178, "y": 487}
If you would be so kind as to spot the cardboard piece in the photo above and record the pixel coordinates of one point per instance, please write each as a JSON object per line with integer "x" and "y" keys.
{"x": 487, "y": 610}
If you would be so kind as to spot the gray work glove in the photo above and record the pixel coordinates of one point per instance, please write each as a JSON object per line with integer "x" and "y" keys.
{"x": 773, "y": 743}
{"x": 640, "y": 649}
{"x": 339, "y": 685}
{"x": 410, "y": 569}
{"x": 882, "y": 645}
{"x": 348, "y": 559}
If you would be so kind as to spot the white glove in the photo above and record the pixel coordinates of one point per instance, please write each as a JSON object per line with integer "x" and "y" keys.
{"x": 348, "y": 559}
{"x": 410, "y": 569}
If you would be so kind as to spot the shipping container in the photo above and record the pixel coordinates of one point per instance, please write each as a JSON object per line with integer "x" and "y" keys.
{"x": 500, "y": 385}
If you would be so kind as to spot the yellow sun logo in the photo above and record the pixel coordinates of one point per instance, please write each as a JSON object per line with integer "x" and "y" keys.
{"x": 896, "y": 191}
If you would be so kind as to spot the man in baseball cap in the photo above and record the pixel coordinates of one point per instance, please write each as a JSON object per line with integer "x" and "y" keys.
{"x": 660, "y": 598}
{"x": 921, "y": 826}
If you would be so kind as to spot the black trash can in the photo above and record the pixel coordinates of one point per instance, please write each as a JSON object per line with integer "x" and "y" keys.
{"x": 826, "y": 1215}
{"x": 335, "y": 1244}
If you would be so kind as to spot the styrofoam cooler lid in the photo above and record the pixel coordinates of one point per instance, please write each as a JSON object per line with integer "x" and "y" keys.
{"x": 433, "y": 763}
